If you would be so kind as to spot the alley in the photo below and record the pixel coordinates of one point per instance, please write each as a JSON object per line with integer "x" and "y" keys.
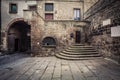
{"x": 51, "y": 68}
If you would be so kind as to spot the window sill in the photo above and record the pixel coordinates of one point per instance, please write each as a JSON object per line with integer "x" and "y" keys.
{"x": 13, "y": 12}
{"x": 49, "y": 11}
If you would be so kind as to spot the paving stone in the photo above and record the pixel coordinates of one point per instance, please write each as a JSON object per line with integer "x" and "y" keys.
{"x": 51, "y": 68}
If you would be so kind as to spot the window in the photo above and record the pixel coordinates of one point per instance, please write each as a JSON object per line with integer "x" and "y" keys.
{"x": 48, "y": 16}
{"x": 13, "y": 8}
{"x": 48, "y": 6}
{"x": 33, "y": 7}
{"x": 77, "y": 14}
{"x": 49, "y": 41}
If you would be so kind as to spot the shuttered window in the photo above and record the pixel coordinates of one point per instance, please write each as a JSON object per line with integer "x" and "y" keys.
{"x": 48, "y": 16}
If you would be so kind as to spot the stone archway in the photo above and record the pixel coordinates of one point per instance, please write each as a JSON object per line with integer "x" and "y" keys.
{"x": 18, "y": 36}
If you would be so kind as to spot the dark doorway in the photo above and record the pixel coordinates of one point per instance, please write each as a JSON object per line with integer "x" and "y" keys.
{"x": 78, "y": 37}
{"x": 16, "y": 45}
{"x": 19, "y": 39}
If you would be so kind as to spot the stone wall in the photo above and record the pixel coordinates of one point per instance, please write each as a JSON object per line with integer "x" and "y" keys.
{"x": 88, "y": 4}
{"x": 59, "y": 30}
{"x": 99, "y": 35}
{"x": 63, "y": 9}
{"x": 8, "y": 18}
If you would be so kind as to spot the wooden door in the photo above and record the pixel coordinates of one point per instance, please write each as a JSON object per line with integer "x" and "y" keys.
{"x": 78, "y": 37}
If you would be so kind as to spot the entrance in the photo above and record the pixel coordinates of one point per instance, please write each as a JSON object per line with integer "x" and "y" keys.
{"x": 78, "y": 37}
{"x": 16, "y": 44}
{"x": 19, "y": 37}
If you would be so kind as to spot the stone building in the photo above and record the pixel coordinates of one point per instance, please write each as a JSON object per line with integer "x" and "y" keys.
{"x": 104, "y": 31}
{"x": 43, "y": 26}
{"x": 57, "y": 26}
{"x": 46, "y": 27}
{"x": 14, "y": 28}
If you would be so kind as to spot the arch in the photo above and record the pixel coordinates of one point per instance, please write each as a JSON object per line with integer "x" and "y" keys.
{"x": 18, "y": 35}
{"x": 13, "y": 21}
{"x": 49, "y": 41}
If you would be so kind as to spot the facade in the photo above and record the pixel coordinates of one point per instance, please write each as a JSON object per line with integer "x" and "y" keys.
{"x": 56, "y": 25}
{"x": 46, "y": 27}
{"x": 42, "y": 27}
{"x": 103, "y": 32}
{"x": 12, "y": 12}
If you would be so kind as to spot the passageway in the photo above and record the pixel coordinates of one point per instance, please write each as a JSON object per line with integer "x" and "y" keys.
{"x": 19, "y": 37}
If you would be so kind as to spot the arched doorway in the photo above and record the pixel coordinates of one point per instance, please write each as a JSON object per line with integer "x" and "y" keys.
{"x": 19, "y": 37}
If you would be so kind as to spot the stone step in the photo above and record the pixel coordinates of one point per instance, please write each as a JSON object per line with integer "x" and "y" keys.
{"x": 78, "y": 45}
{"x": 81, "y": 47}
{"x": 78, "y": 53}
{"x": 80, "y": 50}
{"x": 72, "y": 58}
{"x": 80, "y": 56}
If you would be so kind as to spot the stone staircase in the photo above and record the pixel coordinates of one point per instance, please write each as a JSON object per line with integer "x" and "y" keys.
{"x": 79, "y": 52}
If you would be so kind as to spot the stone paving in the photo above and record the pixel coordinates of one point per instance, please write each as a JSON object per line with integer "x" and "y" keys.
{"x": 51, "y": 68}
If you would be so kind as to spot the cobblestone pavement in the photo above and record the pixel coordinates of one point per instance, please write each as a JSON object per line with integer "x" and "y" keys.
{"x": 51, "y": 68}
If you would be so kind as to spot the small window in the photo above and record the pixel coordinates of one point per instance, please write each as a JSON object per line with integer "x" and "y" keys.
{"x": 77, "y": 14}
{"x": 48, "y": 16}
{"x": 48, "y": 6}
{"x": 33, "y": 7}
{"x": 13, "y": 8}
{"x": 49, "y": 41}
